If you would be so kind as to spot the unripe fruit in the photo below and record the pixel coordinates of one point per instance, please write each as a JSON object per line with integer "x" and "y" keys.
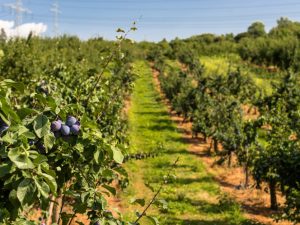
{"x": 65, "y": 130}
{"x": 71, "y": 120}
{"x": 56, "y": 125}
{"x": 75, "y": 129}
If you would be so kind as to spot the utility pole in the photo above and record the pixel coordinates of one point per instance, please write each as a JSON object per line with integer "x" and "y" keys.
{"x": 18, "y": 9}
{"x": 56, "y": 12}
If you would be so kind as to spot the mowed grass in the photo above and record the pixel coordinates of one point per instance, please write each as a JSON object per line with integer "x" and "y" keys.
{"x": 193, "y": 197}
{"x": 221, "y": 65}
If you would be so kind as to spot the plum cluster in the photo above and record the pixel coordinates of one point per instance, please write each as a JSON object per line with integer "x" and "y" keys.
{"x": 70, "y": 127}
{"x": 3, "y": 126}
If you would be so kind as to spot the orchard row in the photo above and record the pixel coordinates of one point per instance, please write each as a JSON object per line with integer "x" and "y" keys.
{"x": 62, "y": 129}
{"x": 261, "y": 130}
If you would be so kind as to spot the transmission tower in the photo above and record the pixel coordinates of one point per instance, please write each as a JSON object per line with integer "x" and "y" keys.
{"x": 18, "y": 10}
{"x": 56, "y": 12}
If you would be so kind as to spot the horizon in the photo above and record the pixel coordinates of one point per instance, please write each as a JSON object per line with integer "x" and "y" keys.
{"x": 156, "y": 20}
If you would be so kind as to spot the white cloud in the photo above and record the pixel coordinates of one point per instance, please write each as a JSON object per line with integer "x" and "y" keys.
{"x": 23, "y": 30}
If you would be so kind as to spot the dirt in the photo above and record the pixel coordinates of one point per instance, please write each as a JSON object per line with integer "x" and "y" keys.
{"x": 255, "y": 202}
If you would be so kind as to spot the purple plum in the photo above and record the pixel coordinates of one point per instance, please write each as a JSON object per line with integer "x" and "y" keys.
{"x": 65, "y": 130}
{"x": 71, "y": 120}
{"x": 56, "y": 125}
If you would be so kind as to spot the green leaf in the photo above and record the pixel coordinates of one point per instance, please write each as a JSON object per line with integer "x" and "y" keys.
{"x": 119, "y": 30}
{"x": 10, "y": 83}
{"x": 110, "y": 189}
{"x": 50, "y": 181}
{"x": 25, "y": 192}
{"x": 41, "y": 125}
{"x": 117, "y": 155}
{"x": 153, "y": 220}
{"x": 6, "y": 168}
{"x": 49, "y": 140}
{"x": 97, "y": 155}
{"x": 8, "y": 110}
{"x": 25, "y": 112}
{"x": 20, "y": 158}
{"x": 42, "y": 187}
{"x": 139, "y": 201}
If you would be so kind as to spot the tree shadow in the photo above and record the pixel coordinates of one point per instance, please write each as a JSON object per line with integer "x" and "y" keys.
{"x": 177, "y": 221}
{"x": 152, "y": 113}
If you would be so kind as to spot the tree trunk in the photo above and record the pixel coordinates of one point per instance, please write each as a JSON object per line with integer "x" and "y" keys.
{"x": 215, "y": 145}
{"x": 210, "y": 147}
{"x": 282, "y": 189}
{"x": 246, "y": 169}
{"x": 273, "y": 198}
{"x": 204, "y": 138}
{"x": 57, "y": 209}
{"x": 50, "y": 211}
{"x": 229, "y": 159}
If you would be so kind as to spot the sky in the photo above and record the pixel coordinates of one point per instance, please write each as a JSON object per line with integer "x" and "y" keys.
{"x": 156, "y": 19}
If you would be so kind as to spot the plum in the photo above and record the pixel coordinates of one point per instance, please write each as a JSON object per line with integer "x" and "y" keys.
{"x": 75, "y": 129}
{"x": 56, "y": 125}
{"x": 40, "y": 146}
{"x": 71, "y": 120}
{"x": 65, "y": 130}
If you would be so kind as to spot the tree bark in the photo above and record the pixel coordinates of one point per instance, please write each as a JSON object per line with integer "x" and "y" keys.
{"x": 50, "y": 211}
{"x": 215, "y": 145}
{"x": 273, "y": 197}
{"x": 229, "y": 159}
{"x": 246, "y": 169}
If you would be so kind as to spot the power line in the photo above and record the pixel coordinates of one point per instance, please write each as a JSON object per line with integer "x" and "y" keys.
{"x": 19, "y": 10}
{"x": 56, "y": 12}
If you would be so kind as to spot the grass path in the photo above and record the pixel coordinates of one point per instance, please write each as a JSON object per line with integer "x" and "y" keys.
{"x": 193, "y": 197}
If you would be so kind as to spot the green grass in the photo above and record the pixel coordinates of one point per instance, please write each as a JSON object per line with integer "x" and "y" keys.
{"x": 223, "y": 64}
{"x": 193, "y": 197}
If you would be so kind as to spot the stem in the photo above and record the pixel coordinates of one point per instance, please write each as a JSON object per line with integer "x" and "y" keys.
{"x": 156, "y": 194}
{"x": 105, "y": 66}
{"x": 72, "y": 218}
{"x": 98, "y": 79}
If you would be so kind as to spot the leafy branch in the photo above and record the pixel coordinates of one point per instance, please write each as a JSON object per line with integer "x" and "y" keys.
{"x": 156, "y": 194}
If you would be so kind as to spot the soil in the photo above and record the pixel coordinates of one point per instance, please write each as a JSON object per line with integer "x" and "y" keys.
{"x": 255, "y": 202}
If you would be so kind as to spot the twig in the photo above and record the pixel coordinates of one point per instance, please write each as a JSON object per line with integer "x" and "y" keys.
{"x": 72, "y": 218}
{"x": 156, "y": 194}
{"x": 98, "y": 79}
{"x": 104, "y": 68}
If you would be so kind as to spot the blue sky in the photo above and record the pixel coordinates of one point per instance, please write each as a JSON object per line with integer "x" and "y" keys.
{"x": 157, "y": 19}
